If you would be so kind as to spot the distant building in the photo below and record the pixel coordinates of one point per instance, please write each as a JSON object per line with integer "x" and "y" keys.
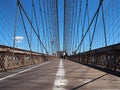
{"x": 60, "y": 54}
{"x": 54, "y": 54}
{"x": 73, "y": 53}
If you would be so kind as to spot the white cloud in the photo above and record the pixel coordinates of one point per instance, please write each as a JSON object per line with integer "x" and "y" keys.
{"x": 19, "y": 39}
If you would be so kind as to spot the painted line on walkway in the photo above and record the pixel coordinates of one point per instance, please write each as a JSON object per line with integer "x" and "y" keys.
{"x": 23, "y": 71}
{"x": 60, "y": 80}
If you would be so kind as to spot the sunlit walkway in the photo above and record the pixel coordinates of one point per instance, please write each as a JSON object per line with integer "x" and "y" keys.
{"x": 58, "y": 75}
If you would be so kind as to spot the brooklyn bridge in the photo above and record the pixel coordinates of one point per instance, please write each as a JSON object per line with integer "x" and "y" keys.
{"x": 59, "y": 44}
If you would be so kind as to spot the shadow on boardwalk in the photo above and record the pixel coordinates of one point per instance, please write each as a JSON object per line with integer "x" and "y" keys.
{"x": 108, "y": 71}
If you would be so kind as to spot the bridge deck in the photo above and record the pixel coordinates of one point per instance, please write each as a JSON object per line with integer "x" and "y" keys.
{"x": 58, "y": 75}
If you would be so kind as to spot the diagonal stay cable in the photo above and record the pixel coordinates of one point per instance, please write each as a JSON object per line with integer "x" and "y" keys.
{"x": 89, "y": 25}
{"x": 25, "y": 29}
{"x": 20, "y": 5}
{"x": 93, "y": 34}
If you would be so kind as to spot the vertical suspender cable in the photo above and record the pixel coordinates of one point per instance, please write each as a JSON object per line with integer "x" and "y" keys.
{"x": 64, "y": 28}
{"x": 83, "y": 27}
{"x": 16, "y": 19}
{"x": 104, "y": 27}
{"x": 78, "y": 22}
{"x": 42, "y": 21}
{"x": 105, "y": 37}
{"x": 36, "y": 21}
{"x": 58, "y": 42}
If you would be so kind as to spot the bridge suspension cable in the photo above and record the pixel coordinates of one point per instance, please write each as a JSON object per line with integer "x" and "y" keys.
{"x": 20, "y": 6}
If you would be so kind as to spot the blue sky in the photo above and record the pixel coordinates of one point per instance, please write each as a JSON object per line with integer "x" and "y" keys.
{"x": 7, "y": 22}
